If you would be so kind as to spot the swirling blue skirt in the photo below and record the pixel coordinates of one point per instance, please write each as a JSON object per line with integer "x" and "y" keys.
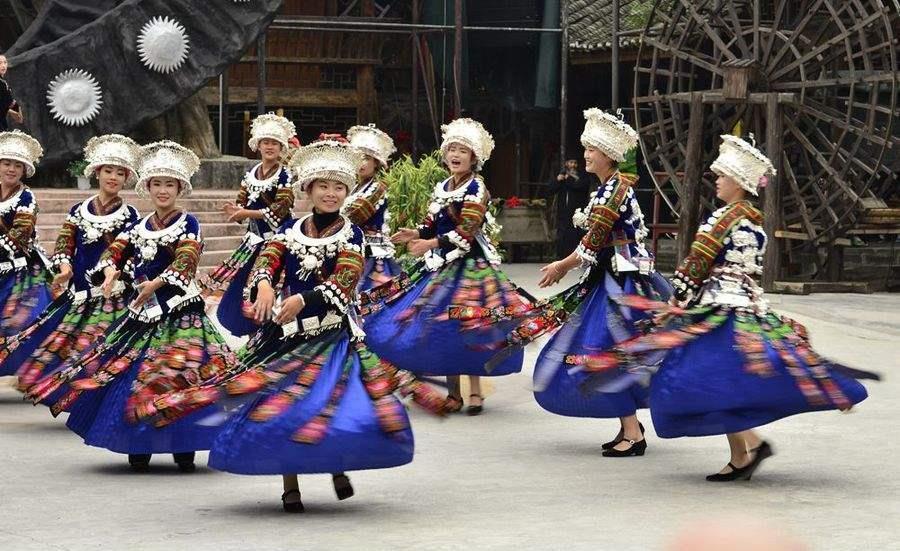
{"x": 377, "y": 271}
{"x": 596, "y": 325}
{"x": 430, "y": 343}
{"x": 704, "y": 389}
{"x": 353, "y": 440}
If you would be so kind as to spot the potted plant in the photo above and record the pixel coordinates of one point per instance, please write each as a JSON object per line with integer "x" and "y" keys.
{"x": 76, "y": 170}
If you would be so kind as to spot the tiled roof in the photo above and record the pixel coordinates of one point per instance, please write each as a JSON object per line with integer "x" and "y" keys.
{"x": 590, "y": 23}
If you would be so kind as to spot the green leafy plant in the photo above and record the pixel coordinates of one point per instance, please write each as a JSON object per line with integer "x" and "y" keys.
{"x": 629, "y": 165}
{"x": 76, "y": 168}
{"x": 410, "y": 186}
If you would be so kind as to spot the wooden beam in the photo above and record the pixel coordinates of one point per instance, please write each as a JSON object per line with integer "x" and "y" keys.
{"x": 315, "y": 60}
{"x": 717, "y": 97}
{"x": 690, "y": 197}
{"x": 287, "y": 97}
{"x": 773, "y": 195}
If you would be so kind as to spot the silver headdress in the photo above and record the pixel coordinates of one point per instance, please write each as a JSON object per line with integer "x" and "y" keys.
{"x": 743, "y": 162}
{"x": 608, "y": 133}
{"x": 19, "y": 146}
{"x": 167, "y": 159}
{"x": 112, "y": 149}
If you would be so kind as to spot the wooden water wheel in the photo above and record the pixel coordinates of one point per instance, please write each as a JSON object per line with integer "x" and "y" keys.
{"x": 815, "y": 81}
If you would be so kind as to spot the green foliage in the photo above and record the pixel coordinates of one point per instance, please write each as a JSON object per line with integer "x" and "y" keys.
{"x": 629, "y": 165}
{"x": 410, "y": 188}
{"x": 76, "y": 168}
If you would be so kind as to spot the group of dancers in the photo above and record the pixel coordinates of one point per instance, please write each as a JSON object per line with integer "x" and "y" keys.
{"x": 337, "y": 335}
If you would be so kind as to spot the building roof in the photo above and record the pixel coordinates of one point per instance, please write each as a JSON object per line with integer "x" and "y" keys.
{"x": 590, "y": 23}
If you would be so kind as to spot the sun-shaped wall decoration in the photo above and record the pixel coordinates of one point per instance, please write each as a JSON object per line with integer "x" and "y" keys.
{"x": 74, "y": 97}
{"x": 163, "y": 44}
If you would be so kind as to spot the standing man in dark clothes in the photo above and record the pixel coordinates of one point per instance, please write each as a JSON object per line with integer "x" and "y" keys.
{"x": 571, "y": 189}
{"x": 8, "y": 105}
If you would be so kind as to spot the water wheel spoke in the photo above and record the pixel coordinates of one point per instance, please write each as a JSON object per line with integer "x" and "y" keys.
{"x": 795, "y": 33}
{"x": 844, "y": 121}
{"x": 830, "y": 43}
{"x": 685, "y": 56}
{"x": 770, "y": 39}
{"x": 859, "y": 77}
{"x": 801, "y": 209}
{"x": 823, "y": 162}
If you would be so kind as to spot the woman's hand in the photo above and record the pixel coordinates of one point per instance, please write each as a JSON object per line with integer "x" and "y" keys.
{"x": 553, "y": 272}
{"x": 290, "y": 308}
{"x": 63, "y": 277}
{"x": 418, "y": 247}
{"x": 110, "y": 276}
{"x": 234, "y": 212}
{"x": 265, "y": 300}
{"x": 404, "y": 235}
{"x": 145, "y": 291}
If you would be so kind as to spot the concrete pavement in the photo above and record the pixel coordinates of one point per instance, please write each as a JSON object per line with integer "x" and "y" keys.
{"x": 514, "y": 477}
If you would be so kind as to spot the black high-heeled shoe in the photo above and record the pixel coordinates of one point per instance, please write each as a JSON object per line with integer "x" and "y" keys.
{"x": 293, "y": 506}
{"x": 763, "y": 452}
{"x": 185, "y": 462}
{"x": 342, "y": 486}
{"x": 473, "y": 409}
{"x": 619, "y": 437}
{"x": 636, "y": 448}
{"x": 139, "y": 462}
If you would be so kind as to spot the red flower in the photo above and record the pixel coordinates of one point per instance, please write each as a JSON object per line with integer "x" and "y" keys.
{"x": 513, "y": 202}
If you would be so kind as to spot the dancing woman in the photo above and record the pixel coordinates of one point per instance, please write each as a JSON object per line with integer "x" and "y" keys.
{"x": 584, "y": 317}
{"x": 367, "y": 205}
{"x": 728, "y": 364}
{"x": 265, "y": 201}
{"x": 24, "y": 277}
{"x": 81, "y": 314}
{"x": 407, "y": 319}
{"x": 165, "y": 343}
{"x": 316, "y": 400}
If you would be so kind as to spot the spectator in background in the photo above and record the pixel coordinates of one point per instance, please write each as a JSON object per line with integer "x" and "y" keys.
{"x": 571, "y": 188}
{"x": 8, "y": 105}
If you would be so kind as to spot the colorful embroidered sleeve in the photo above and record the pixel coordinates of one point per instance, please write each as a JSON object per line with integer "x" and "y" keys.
{"x": 366, "y": 205}
{"x": 116, "y": 255}
{"x": 427, "y": 228}
{"x": 183, "y": 268}
{"x": 471, "y": 217}
{"x": 340, "y": 287}
{"x": 281, "y": 208}
{"x": 242, "y": 195}
{"x": 64, "y": 250}
{"x": 267, "y": 264}
{"x": 709, "y": 241}
{"x": 607, "y": 209}
{"x": 18, "y": 239}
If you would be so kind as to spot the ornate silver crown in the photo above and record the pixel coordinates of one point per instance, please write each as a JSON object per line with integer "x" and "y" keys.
{"x": 112, "y": 149}
{"x": 372, "y": 142}
{"x": 167, "y": 159}
{"x": 273, "y": 127}
{"x": 327, "y": 160}
{"x": 471, "y": 134}
{"x": 608, "y": 133}
{"x": 19, "y": 146}
{"x": 743, "y": 162}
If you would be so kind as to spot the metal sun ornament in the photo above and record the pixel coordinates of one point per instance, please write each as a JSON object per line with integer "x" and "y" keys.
{"x": 74, "y": 97}
{"x": 163, "y": 44}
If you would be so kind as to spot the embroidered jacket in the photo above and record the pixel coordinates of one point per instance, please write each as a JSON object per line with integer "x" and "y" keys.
{"x": 18, "y": 215}
{"x": 86, "y": 234}
{"x": 325, "y": 269}
{"x": 457, "y": 218}
{"x": 612, "y": 219}
{"x": 171, "y": 253}
{"x": 274, "y": 196}
{"x": 367, "y": 207}
{"x": 726, "y": 254}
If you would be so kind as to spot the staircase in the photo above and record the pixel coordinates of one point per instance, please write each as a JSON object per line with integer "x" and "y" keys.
{"x": 220, "y": 237}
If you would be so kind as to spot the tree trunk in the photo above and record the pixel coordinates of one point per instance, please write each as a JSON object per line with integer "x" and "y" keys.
{"x": 188, "y": 124}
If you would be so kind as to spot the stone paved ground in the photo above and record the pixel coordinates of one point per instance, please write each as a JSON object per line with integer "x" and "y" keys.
{"x": 514, "y": 477}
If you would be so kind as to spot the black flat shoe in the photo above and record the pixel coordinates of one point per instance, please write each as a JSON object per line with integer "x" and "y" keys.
{"x": 475, "y": 410}
{"x": 139, "y": 462}
{"x": 619, "y": 437}
{"x": 763, "y": 452}
{"x": 342, "y": 486}
{"x": 185, "y": 462}
{"x": 453, "y": 404}
{"x": 637, "y": 448}
{"x": 294, "y": 506}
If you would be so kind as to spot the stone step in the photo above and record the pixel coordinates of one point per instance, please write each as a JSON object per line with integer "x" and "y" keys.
{"x": 210, "y": 229}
